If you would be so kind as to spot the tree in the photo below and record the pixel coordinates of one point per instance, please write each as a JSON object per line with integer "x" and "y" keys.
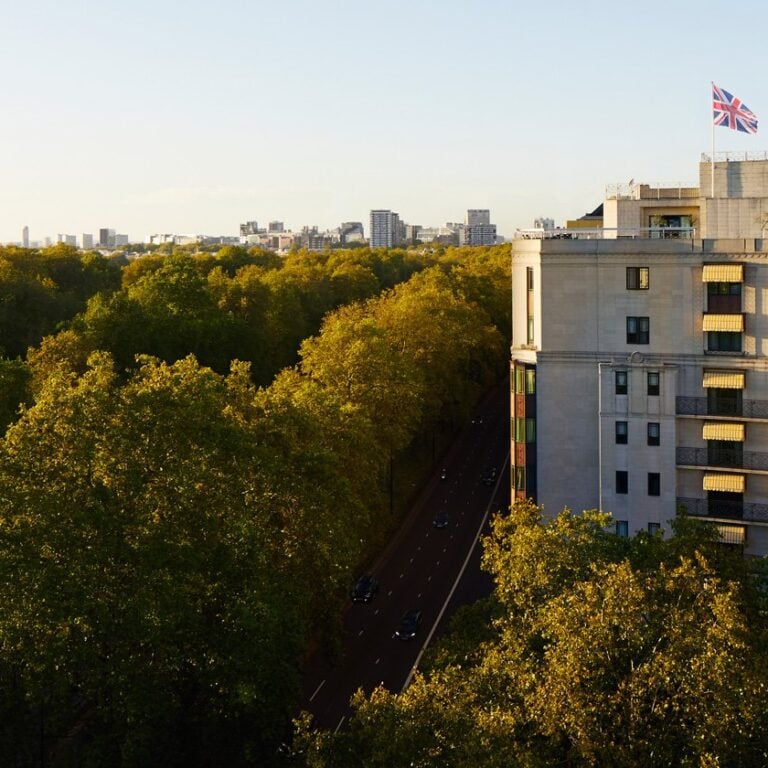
{"x": 601, "y": 651}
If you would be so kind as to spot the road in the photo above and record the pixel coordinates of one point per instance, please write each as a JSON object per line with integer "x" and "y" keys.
{"x": 421, "y": 570}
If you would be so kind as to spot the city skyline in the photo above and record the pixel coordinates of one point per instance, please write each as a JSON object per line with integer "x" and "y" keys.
{"x": 174, "y": 118}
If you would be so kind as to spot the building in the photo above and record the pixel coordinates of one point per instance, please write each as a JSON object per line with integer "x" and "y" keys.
{"x": 25, "y": 237}
{"x": 478, "y": 229}
{"x": 639, "y": 358}
{"x": 106, "y": 238}
{"x": 387, "y": 231}
{"x": 86, "y": 241}
{"x": 250, "y": 228}
{"x": 67, "y": 239}
{"x": 275, "y": 227}
{"x": 351, "y": 232}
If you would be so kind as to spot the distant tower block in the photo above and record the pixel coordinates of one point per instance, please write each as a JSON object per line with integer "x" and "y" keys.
{"x": 25, "y": 237}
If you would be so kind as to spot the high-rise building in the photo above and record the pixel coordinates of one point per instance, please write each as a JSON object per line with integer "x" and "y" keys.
{"x": 249, "y": 228}
{"x": 106, "y": 238}
{"x": 478, "y": 229}
{"x": 386, "y": 229}
{"x": 639, "y": 358}
{"x": 351, "y": 232}
{"x": 86, "y": 242}
{"x": 25, "y": 237}
{"x": 275, "y": 227}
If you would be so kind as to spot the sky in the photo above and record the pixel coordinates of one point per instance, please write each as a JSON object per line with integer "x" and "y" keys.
{"x": 155, "y": 116}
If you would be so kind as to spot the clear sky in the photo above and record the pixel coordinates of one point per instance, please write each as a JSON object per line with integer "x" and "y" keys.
{"x": 190, "y": 117}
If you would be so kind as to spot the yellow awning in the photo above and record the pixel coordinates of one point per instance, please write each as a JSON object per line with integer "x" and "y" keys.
{"x": 717, "y": 430}
{"x": 724, "y": 379}
{"x": 723, "y": 273}
{"x": 724, "y": 323}
{"x": 720, "y": 481}
{"x": 731, "y": 534}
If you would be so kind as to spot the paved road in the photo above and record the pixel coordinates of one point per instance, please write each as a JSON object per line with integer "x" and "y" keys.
{"x": 419, "y": 570}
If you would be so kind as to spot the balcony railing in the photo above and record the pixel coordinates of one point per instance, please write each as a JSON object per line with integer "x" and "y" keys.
{"x": 655, "y": 191}
{"x": 700, "y": 406}
{"x": 735, "y": 510}
{"x": 721, "y": 457}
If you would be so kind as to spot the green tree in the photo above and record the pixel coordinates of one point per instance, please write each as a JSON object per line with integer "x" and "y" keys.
{"x": 597, "y": 651}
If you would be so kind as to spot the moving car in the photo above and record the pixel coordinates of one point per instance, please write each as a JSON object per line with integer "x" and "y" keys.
{"x": 365, "y": 589}
{"x": 443, "y": 473}
{"x": 489, "y": 476}
{"x": 409, "y": 625}
{"x": 441, "y": 519}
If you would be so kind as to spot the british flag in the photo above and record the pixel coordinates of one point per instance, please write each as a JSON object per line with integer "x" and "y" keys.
{"x": 731, "y": 112}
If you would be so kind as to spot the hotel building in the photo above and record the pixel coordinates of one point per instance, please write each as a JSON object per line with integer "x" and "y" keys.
{"x": 639, "y": 357}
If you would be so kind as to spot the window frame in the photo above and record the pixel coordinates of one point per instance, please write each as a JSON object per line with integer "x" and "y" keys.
{"x": 622, "y": 482}
{"x": 651, "y": 438}
{"x": 653, "y": 389}
{"x": 638, "y": 329}
{"x": 638, "y": 278}
{"x": 622, "y": 528}
{"x": 654, "y": 483}
{"x": 621, "y": 389}
{"x": 621, "y": 433}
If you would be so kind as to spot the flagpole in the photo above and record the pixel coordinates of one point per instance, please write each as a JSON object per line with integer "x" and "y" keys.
{"x": 712, "y": 174}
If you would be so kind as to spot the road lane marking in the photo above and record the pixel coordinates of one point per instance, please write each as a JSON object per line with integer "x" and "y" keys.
{"x": 377, "y": 660}
{"x": 418, "y": 597}
{"x": 375, "y": 613}
{"x": 411, "y": 559}
{"x": 344, "y": 717}
{"x": 389, "y": 594}
{"x": 455, "y": 583}
{"x": 429, "y": 578}
{"x": 360, "y": 633}
{"x": 317, "y": 690}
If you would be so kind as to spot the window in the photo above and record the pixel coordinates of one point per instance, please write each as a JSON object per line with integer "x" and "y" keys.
{"x": 530, "y": 381}
{"x": 529, "y": 278}
{"x": 654, "y": 528}
{"x": 653, "y": 382}
{"x": 654, "y": 433}
{"x": 622, "y": 481}
{"x": 529, "y": 284}
{"x": 724, "y": 289}
{"x": 622, "y": 431}
{"x": 622, "y": 528}
{"x": 621, "y": 382}
{"x": 525, "y": 430}
{"x": 638, "y": 330}
{"x": 654, "y": 484}
{"x": 519, "y": 478}
{"x": 637, "y": 278}
{"x": 529, "y": 337}
{"x": 519, "y": 380}
{"x": 723, "y": 341}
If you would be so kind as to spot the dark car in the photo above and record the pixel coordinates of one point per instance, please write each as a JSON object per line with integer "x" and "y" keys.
{"x": 489, "y": 477}
{"x": 478, "y": 420}
{"x": 365, "y": 589}
{"x": 409, "y": 625}
{"x": 441, "y": 519}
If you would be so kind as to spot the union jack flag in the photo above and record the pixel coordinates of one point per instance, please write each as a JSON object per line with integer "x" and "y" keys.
{"x": 731, "y": 112}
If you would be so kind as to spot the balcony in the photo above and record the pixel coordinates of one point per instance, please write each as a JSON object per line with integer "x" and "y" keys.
{"x": 703, "y": 406}
{"x": 731, "y": 458}
{"x": 733, "y": 510}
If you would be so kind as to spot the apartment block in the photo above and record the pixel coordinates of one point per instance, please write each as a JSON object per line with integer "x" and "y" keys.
{"x": 639, "y": 358}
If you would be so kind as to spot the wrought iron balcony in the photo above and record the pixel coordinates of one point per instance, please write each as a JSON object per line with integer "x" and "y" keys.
{"x": 734, "y": 510}
{"x": 701, "y": 406}
{"x": 733, "y": 458}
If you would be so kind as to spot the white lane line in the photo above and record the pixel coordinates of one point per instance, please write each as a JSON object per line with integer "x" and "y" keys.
{"x": 389, "y": 594}
{"x": 360, "y": 633}
{"x": 411, "y": 559}
{"x": 438, "y": 562}
{"x": 418, "y": 549}
{"x": 377, "y": 660}
{"x": 317, "y": 690}
{"x": 445, "y": 549}
{"x": 418, "y": 597}
{"x": 429, "y": 578}
{"x": 375, "y": 613}
{"x": 401, "y": 575}
{"x": 344, "y": 717}
{"x": 455, "y": 583}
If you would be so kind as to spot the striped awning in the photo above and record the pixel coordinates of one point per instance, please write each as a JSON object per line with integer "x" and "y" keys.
{"x": 723, "y": 273}
{"x": 724, "y": 379}
{"x": 723, "y": 430}
{"x": 733, "y": 323}
{"x": 721, "y": 481}
{"x": 731, "y": 534}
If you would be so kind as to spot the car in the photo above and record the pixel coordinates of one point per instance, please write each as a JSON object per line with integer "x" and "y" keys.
{"x": 489, "y": 476}
{"x": 441, "y": 519}
{"x": 365, "y": 589}
{"x": 443, "y": 473}
{"x": 409, "y": 625}
{"x": 477, "y": 420}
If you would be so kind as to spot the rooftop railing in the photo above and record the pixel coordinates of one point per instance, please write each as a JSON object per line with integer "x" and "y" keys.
{"x": 734, "y": 157}
{"x": 655, "y": 191}
{"x": 607, "y": 233}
